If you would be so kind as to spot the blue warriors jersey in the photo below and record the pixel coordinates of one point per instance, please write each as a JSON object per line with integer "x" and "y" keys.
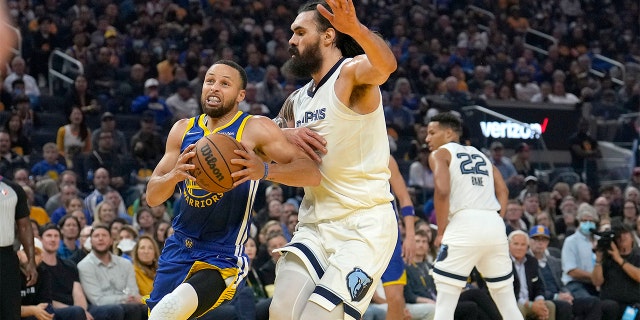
{"x": 222, "y": 219}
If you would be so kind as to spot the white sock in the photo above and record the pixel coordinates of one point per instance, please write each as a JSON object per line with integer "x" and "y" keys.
{"x": 177, "y": 305}
{"x": 446, "y": 301}
{"x": 505, "y": 301}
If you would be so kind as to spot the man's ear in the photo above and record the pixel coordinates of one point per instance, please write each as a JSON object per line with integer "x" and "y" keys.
{"x": 329, "y": 36}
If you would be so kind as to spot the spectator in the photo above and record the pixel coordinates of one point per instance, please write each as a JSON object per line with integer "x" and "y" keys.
{"x": 550, "y": 271}
{"x": 421, "y": 176}
{"x": 128, "y": 90}
{"x": 107, "y": 157}
{"x": 66, "y": 287}
{"x": 521, "y": 160}
{"x": 528, "y": 287}
{"x": 108, "y": 124}
{"x": 513, "y": 217}
{"x": 630, "y": 213}
{"x": 544, "y": 94}
{"x": 42, "y": 42}
{"x": 101, "y": 188}
{"x": 18, "y": 71}
{"x": 74, "y": 139}
{"x": 151, "y": 103}
{"x": 101, "y": 76}
{"x": 584, "y": 153}
{"x": 9, "y": 159}
{"x": 270, "y": 91}
{"x": 261, "y": 301}
{"x": 145, "y": 256}
{"x": 67, "y": 177}
{"x": 81, "y": 97}
{"x": 71, "y": 202}
{"x": 108, "y": 279}
{"x": 399, "y": 115}
{"x": 577, "y": 255}
{"x": 70, "y": 248}
{"x": 504, "y": 165}
{"x": 559, "y": 95}
{"x": 617, "y": 273}
{"x": 47, "y": 171}
{"x": 20, "y": 142}
{"x": 267, "y": 270}
{"x": 183, "y": 104}
{"x": 167, "y": 67}
{"x": 35, "y": 213}
{"x": 525, "y": 89}
{"x": 36, "y": 299}
{"x": 146, "y": 144}
{"x": 22, "y": 107}
{"x": 251, "y": 98}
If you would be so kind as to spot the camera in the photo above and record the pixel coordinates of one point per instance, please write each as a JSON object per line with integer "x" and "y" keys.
{"x": 604, "y": 240}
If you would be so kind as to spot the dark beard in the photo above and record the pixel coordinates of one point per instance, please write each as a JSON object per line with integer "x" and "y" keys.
{"x": 303, "y": 65}
{"x": 218, "y": 112}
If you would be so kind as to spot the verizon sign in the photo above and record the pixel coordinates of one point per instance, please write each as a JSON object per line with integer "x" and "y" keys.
{"x": 511, "y": 130}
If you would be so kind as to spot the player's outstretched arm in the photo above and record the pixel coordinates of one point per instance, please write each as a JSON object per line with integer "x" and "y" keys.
{"x": 379, "y": 62}
{"x": 439, "y": 163}
{"x": 399, "y": 188}
{"x": 172, "y": 168}
{"x": 265, "y": 142}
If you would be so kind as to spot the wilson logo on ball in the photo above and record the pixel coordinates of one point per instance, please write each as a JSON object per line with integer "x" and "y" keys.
{"x": 211, "y": 160}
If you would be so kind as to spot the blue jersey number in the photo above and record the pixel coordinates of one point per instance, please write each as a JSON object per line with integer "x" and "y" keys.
{"x": 472, "y": 164}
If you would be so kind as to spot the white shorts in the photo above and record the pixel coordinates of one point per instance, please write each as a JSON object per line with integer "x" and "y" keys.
{"x": 474, "y": 238}
{"x": 346, "y": 257}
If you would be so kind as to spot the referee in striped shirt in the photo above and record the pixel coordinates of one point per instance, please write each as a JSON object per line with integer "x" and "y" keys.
{"x": 14, "y": 212}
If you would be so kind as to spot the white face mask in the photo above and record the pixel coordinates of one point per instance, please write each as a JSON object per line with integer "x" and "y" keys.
{"x": 268, "y": 28}
{"x": 87, "y": 244}
{"x": 14, "y": 13}
{"x": 248, "y": 27}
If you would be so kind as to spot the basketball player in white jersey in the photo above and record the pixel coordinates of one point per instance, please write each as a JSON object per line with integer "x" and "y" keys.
{"x": 347, "y": 230}
{"x": 469, "y": 193}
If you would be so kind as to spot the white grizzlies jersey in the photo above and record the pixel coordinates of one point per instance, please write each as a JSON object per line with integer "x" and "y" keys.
{"x": 471, "y": 177}
{"x": 355, "y": 172}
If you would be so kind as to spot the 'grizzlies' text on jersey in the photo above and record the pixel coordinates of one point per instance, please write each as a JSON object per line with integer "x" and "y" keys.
{"x": 355, "y": 173}
{"x": 222, "y": 219}
{"x": 471, "y": 177}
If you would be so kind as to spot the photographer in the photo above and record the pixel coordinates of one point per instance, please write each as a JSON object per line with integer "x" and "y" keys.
{"x": 617, "y": 273}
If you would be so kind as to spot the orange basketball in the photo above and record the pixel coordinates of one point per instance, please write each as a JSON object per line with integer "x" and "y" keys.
{"x": 213, "y": 162}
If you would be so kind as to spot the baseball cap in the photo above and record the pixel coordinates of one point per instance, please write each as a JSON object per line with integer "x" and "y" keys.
{"x": 148, "y": 116}
{"x": 539, "y": 230}
{"x": 496, "y": 145}
{"x": 37, "y": 244}
{"x": 530, "y": 178}
{"x": 151, "y": 83}
{"x": 107, "y": 116}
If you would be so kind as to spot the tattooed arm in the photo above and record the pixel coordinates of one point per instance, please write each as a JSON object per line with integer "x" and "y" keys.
{"x": 308, "y": 140}
{"x": 284, "y": 119}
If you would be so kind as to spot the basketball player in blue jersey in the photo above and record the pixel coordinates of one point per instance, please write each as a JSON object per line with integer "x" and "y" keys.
{"x": 394, "y": 277}
{"x": 203, "y": 262}
{"x": 469, "y": 193}
{"x": 347, "y": 228}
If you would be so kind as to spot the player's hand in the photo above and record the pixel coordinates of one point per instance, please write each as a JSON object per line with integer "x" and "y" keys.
{"x": 343, "y": 17}
{"x": 252, "y": 163}
{"x": 309, "y": 141}
{"x": 408, "y": 249}
{"x": 30, "y": 273}
{"x": 183, "y": 165}
{"x": 438, "y": 241}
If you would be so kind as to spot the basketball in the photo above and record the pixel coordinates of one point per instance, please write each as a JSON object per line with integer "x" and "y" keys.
{"x": 213, "y": 162}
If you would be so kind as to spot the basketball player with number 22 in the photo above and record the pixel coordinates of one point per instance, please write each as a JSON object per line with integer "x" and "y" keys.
{"x": 203, "y": 263}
